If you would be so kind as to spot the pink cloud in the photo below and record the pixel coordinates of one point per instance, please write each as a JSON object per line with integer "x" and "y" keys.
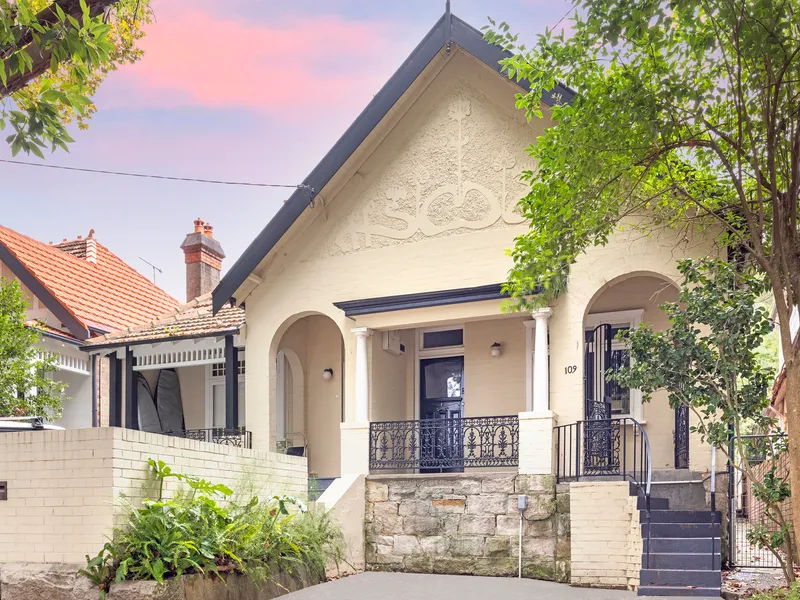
{"x": 193, "y": 58}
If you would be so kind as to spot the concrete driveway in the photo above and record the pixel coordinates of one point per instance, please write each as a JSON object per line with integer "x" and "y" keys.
{"x": 407, "y": 586}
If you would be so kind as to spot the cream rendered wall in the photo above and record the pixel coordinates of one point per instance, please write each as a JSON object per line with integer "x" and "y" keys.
{"x": 388, "y": 379}
{"x": 627, "y": 254}
{"x": 647, "y": 293}
{"x": 323, "y": 397}
{"x": 461, "y": 140}
{"x": 494, "y": 386}
{"x": 430, "y": 206}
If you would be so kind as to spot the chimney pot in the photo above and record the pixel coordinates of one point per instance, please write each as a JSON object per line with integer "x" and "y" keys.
{"x": 64, "y": 240}
{"x": 80, "y": 237}
{"x": 208, "y": 230}
{"x": 91, "y": 234}
{"x": 198, "y": 225}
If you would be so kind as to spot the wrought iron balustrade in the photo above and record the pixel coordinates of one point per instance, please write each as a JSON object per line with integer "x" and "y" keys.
{"x": 444, "y": 444}
{"x": 240, "y": 438}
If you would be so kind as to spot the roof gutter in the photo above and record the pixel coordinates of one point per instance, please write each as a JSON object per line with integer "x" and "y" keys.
{"x": 93, "y": 348}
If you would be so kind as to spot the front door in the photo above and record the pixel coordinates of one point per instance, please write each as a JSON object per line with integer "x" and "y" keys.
{"x": 441, "y": 411}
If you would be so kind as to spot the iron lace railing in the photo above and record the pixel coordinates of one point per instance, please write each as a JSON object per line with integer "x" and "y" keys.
{"x": 608, "y": 449}
{"x": 238, "y": 437}
{"x": 444, "y": 444}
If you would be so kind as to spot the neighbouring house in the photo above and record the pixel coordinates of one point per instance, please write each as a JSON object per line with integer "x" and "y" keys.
{"x": 172, "y": 378}
{"x": 79, "y": 290}
{"x": 377, "y": 337}
{"x": 183, "y": 370}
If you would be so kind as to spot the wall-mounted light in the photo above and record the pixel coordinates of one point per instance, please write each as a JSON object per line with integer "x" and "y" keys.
{"x": 496, "y": 349}
{"x": 327, "y": 374}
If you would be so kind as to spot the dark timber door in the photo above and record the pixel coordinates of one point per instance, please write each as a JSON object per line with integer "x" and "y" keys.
{"x": 682, "y": 437}
{"x": 441, "y": 410}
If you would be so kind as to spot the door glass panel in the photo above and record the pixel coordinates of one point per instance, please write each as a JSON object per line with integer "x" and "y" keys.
{"x": 444, "y": 379}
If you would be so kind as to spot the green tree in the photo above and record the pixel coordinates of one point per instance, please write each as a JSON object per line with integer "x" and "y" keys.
{"x": 686, "y": 115}
{"x": 708, "y": 361}
{"x": 53, "y": 56}
{"x": 26, "y": 388}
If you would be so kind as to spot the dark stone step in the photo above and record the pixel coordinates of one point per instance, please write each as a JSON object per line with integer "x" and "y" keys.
{"x": 655, "y": 503}
{"x": 681, "y": 578}
{"x": 701, "y": 561}
{"x": 681, "y": 530}
{"x": 678, "y": 591}
{"x": 681, "y": 516}
{"x": 682, "y": 545}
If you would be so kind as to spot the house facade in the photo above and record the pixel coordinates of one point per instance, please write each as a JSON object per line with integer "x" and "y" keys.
{"x": 376, "y": 334}
{"x": 78, "y": 290}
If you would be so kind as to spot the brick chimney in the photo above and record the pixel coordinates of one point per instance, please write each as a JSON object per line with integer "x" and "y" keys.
{"x": 203, "y": 256}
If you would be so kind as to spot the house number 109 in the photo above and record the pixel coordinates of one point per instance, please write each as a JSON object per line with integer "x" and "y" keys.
{"x": 570, "y": 369}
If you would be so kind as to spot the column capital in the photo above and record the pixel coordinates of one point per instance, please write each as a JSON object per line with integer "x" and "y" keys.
{"x": 542, "y": 314}
{"x": 361, "y": 332}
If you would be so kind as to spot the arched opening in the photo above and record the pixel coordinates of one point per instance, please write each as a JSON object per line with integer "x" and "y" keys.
{"x": 623, "y": 303}
{"x": 307, "y": 405}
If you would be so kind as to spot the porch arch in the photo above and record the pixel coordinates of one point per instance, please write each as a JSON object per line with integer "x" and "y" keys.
{"x": 306, "y": 400}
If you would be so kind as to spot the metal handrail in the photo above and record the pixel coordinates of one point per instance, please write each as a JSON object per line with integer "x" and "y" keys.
{"x": 584, "y": 467}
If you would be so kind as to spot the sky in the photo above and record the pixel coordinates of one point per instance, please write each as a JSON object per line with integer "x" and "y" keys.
{"x": 241, "y": 90}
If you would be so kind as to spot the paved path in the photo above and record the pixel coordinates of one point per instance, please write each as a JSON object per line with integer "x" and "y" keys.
{"x": 407, "y": 586}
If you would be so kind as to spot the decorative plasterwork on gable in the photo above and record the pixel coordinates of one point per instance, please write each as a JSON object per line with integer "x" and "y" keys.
{"x": 458, "y": 173}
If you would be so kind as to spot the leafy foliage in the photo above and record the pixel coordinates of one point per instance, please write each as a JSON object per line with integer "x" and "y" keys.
{"x": 708, "y": 361}
{"x": 203, "y": 531}
{"x": 685, "y": 116}
{"x": 25, "y": 386}
{"x": 792, "y": 593}
{"x": 53, "y": 56}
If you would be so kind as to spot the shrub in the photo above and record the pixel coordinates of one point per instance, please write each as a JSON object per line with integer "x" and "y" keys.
{"x": 779, "y": 594}
{"x": 194, "y": 533}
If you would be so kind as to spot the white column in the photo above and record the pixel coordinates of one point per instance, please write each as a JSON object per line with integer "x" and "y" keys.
{"x": 362, "y": 375}
{"x": 541, "y": 363}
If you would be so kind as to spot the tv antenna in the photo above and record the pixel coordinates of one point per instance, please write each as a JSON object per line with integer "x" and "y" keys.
{"x": 155, "y": 268}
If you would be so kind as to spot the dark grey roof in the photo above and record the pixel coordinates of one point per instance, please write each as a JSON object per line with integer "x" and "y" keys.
{"x": 448, "y": 28}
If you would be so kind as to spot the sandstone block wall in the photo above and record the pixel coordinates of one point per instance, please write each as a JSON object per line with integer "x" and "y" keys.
{"x": 466, "y": 523}
{"x": 64, "y": 486}
{"x": 606, "y": 539}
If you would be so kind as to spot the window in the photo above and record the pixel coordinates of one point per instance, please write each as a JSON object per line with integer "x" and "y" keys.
{"x": 624, "y": 402}
{"x": 442, "y": 338}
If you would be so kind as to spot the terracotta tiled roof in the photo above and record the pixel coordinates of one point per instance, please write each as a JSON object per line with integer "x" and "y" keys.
{"x": 194, "y": 319}
{"x": 106, "y": 294}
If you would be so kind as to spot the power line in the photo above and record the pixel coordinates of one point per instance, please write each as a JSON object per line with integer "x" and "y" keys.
{"x": 151, "y": 176}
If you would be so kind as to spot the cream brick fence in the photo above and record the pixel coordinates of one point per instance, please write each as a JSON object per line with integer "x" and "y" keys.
{"x": 606, "y": 541}
{"x": 64, "y": 487}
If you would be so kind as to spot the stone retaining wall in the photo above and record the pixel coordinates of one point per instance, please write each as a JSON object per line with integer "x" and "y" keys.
{"x": 466, "y": 523}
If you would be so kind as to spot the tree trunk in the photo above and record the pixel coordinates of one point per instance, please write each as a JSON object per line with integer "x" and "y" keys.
{"x": 792, "y": 404}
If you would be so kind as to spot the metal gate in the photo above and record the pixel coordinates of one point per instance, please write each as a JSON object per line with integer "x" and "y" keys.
{"x": 599, "y": 431}
{"x": 748, "y": 513}
{"x": 682, "y": 437}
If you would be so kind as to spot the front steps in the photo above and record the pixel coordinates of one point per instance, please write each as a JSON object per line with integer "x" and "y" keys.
{"x": 684, "y": 551}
